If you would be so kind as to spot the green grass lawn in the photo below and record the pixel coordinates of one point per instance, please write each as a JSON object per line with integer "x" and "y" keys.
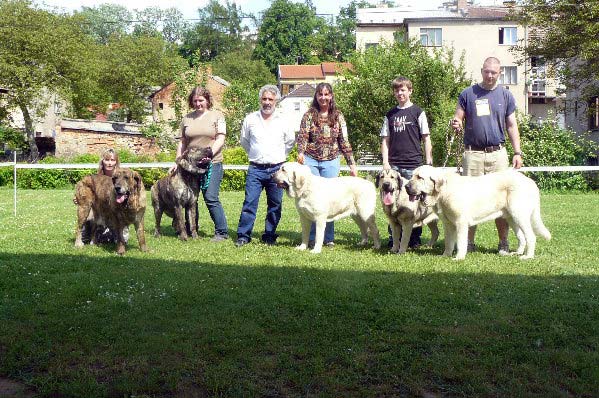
{"x": 197, "y": 319}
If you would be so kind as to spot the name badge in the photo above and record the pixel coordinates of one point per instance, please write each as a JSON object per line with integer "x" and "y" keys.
{"x": 482, "y": 107}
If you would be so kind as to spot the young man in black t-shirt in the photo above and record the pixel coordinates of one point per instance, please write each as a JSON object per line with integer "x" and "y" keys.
{"x": 404, "y": 130}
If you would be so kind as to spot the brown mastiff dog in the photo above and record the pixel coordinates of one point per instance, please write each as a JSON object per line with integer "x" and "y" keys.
{"x": 116, "y": 201}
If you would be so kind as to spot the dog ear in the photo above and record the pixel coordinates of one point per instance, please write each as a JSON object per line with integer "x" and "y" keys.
{"x": 438, "y": 181}
{"x": 377, "y": 179}
{"x": 184, "y": 163}
{"x": 298, "y": 182}
{"x": 139, "y": 183}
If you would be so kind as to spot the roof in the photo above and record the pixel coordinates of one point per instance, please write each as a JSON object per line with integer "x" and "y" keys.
{"x": 305, "y": 90}
{"x": 217, "y": 79}
{"x": 311, "y": 71}
{"x": 400, "y": 15}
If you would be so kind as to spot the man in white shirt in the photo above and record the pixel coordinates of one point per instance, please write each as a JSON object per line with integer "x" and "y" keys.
{"x": 267, "y": 137}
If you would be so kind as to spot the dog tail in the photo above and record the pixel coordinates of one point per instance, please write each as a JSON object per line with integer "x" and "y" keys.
{"x": 537, "y": 224}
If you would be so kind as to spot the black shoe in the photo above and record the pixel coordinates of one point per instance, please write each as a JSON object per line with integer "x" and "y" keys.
{"x": 270, "y": 242}
{"x": 240, "y": 242}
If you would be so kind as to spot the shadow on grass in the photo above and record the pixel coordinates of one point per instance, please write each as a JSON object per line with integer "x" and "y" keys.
{"x": 80, "y": 326}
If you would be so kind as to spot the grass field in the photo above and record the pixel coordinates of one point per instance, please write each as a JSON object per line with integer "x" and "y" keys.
{"x": 198, "y": 319}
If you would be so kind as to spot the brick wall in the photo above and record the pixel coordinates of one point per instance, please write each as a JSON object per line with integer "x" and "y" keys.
{"x": 77, "y": 137}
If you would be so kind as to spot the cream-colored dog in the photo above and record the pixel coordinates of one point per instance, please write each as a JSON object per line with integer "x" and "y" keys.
{"x": 320, "y": 200}
{"x": 462, "y": 202}
{"x": 403, "y": 214}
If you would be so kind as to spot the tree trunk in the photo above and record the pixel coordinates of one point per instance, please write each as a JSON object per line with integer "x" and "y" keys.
{"x": 33, "y": 152}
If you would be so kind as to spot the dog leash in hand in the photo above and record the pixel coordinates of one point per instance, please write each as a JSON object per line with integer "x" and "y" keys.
{"x": 205, "y": 178}
{"x": 450, "y": 135}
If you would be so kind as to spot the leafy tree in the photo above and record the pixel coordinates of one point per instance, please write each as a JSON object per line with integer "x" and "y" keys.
{"x": 155, "y": 21}
{"x": 14, "y": 139}
{"x": 105, "y": 20}
{"x": 134, "y": 66}
{"x": 41, "y": 51}
{"x": 285, "y": 34}
{"x": 367, "y": 94}
{"x": 219, "y": 31}
{"x": 238, "y": 66}
{"x": 565, "y": 34}
{"x": 239, "y": 99}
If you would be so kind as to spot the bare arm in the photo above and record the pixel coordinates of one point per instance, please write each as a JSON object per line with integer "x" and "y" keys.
{"x": 514, "y": 136}
{"x": 385, "y": 153}
{"x": 428, "y": 149}
{"x": 458, "y": 119}
{"x": 219, "y": 142}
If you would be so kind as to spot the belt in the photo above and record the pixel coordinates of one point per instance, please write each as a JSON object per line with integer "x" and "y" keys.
{"x": 487, "y": 149}
{"x": 265, "y": 165}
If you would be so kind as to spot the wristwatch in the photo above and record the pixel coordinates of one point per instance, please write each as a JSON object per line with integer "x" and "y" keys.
{"x": 518, "y": 153}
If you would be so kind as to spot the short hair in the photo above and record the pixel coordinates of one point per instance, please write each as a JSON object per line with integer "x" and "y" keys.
{"x": 271, "y": 88}
{"x": 108, "y": 153}
{"x": 201, "y": 92}
{"x": 401, "y": 81}
{"x": 492, "y": 60}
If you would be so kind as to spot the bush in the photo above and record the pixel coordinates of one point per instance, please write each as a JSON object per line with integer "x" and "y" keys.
{"x": 546, "y": 144}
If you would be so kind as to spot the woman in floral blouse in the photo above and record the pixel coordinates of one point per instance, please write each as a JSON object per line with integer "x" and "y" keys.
{"x": 322, "y": 137}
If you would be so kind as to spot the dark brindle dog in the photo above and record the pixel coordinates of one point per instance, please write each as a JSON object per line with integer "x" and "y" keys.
{"x": 116, "y": 201}
{"x": 177, "y": 194}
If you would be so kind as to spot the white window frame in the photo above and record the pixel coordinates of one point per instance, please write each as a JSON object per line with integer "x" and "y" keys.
{"x": 509, "y": 75}
{"x": 508, "y": 36}
{"x": 431, "y": 37}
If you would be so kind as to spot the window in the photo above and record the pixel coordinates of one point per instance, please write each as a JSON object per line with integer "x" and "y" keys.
{"x": 594, "y": 113}
{"x": 430, "y": 37}
{"x": 509, "y": 75}
{"x": 161, "y": 106}
{"x": 296, "y": 106}
{"x": 508, "y": 36}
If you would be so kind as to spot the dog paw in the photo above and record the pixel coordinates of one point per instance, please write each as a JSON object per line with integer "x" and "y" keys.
{"x": 377, "y": 246}
{"x": 302, "y": 247}
{"x": 315, "y": 250}
{"x": 183, "y": 237}
{"x": 144, "y": 248}
{"x": 78, "y": 244}
{"x": 459, "y": 258}
{"x": 157, "y": 234}
{"x": 363, "y": 242}
{"x": 526, "y": 257}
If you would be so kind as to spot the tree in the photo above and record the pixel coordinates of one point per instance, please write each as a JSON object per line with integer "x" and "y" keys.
{"x": 367, "y": 94}
{"x": 238, "y": 66}
{"x": 105, "y": 20}
{"x": 240, "y": 99}
{"x": 285, "y": 34}
{"x": 154, "y": 21}
{"x": 41, "y": 51}
{"x": 219, "y": 31}
{"x": 134, "y": 66}
{"x": 565, "y": 34}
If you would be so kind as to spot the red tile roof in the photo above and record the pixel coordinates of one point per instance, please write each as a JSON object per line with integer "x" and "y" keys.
{"x": 311, "y": 71}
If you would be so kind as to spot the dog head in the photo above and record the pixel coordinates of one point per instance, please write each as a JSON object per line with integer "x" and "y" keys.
{"x": 126, "y": 183}
{"x": 425, "y": 184}
{"x": 389, "y": 183}
{"x": 195, "y": 160}
{"x": 293, "y": 178}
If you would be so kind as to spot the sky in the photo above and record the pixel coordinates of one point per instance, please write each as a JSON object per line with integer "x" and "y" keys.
{"x": 189, "y": 7}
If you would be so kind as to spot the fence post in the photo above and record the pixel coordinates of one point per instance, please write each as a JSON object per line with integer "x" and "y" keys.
{"x": 14, "y": 180}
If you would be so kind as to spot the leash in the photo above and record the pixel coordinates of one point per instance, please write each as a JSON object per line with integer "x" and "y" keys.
{"x": 458, "y": 151}
{"x": 205, "y": 178}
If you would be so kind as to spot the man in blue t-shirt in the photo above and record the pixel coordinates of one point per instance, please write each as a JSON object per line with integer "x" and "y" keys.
{"x": 404, "y": 130}
{"x": 489, "y": 110}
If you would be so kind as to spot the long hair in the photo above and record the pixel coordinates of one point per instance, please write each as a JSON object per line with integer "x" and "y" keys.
{"x": 201, "y": 92}
{"x": 333, "y": 114}
{"x": 107, "y": 154}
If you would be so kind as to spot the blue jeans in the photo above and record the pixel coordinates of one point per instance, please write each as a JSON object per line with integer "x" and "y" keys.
{"x": 326, "y": 169}
{"x": 212, "y": 200}
{"x": 416, "y": 232}
{"x": 258, "y": 178}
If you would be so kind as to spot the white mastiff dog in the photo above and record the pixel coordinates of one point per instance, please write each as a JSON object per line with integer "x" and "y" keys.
{"x": 462, "y": 202}
{"x": 320, "y": 200}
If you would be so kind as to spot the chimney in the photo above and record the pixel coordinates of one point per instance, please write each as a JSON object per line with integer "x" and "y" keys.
{"x": 462, "y": 6}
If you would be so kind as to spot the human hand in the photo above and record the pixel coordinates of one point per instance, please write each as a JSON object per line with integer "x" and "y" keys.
{"x": 353, "y": 171}
{"x": 300, "y": 158}
{"x": 386, "y": 166}
{"x": 456, "y": 124}
{"x": 517, "y": 161}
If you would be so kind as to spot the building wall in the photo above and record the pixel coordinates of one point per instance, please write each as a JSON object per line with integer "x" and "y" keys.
{"x": 294, "y": 108}
{"x": 77, "y": 137}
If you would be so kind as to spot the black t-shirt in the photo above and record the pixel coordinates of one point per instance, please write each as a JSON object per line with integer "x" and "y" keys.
{"x": 405, "y": 136}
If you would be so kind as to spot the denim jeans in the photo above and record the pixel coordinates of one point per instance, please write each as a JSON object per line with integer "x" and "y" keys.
{"x": 326, "y": 169}
{"x": 416, "y": 232}
{"x": 257, "y": 179}
{"x": 212, "y": 200}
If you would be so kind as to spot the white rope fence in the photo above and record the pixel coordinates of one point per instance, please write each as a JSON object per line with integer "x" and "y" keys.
{"x": 164, "y": 165}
